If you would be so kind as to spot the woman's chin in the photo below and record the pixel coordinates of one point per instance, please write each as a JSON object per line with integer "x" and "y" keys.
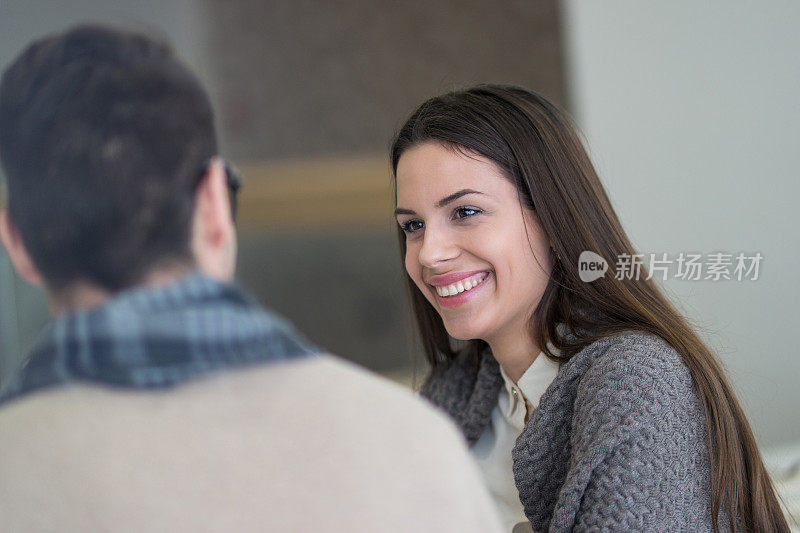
{"x": 463, "y": 333}
{"x": 462, "y": 337}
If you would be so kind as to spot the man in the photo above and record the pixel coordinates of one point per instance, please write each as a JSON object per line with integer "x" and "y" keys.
{"x": 161, "y": 397}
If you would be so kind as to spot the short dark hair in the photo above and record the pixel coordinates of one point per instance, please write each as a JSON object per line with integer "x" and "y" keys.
{"x": 103, "y": 136}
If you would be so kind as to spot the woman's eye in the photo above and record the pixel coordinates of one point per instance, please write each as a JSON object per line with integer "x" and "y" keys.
{"x": 411, "y": 226}
{"x": 465, "y": 212}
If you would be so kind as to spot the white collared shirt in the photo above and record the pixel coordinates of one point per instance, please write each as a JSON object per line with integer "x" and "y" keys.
{"x": 515, "y": 403}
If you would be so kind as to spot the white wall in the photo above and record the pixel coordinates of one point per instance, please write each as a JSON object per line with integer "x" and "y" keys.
{"x": 691, "y": 113}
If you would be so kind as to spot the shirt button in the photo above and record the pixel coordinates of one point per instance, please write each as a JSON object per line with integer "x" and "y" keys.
{"x": 514, "y": 392}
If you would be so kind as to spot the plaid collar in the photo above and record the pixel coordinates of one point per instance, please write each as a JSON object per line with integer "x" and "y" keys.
{"x": 155, "y": 338}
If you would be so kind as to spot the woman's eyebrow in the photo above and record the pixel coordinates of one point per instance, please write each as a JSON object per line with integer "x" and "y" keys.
{"x": 441, "y": 203}
{"x": 455, "y": 196}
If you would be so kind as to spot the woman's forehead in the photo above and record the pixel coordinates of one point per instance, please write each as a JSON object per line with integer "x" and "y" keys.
{"x": 434, "y": 170}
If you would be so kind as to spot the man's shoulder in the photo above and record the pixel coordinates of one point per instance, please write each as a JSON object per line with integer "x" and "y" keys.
{"x": 322, "y": 381}
{"x": 316, "y": 425}
{"x": 337, "y": 384}
{"x": 316, "y": 397}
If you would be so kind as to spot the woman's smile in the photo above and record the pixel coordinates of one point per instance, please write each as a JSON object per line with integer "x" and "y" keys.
{"x": 454, "y": 290}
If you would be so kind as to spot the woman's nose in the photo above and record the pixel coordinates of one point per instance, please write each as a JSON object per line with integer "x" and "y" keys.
{"x": 437, "y": 247}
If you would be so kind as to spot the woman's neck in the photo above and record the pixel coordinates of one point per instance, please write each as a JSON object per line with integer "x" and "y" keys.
{"x": 514, "y": 353}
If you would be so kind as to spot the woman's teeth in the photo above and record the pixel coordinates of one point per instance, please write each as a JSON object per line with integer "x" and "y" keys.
{"x": 461, "y": 286}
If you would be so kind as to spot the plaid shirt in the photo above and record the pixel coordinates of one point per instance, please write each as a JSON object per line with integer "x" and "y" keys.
{"x": 157, "y": 338}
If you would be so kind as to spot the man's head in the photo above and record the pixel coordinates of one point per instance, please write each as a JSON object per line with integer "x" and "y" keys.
{"x": 107, "y": 142}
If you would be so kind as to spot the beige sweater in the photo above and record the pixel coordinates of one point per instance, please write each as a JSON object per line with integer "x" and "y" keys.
{"x": 315, "y": 445}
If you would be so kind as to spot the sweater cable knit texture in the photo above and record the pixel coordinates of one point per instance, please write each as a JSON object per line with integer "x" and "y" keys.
{"x": 617, "y": 443}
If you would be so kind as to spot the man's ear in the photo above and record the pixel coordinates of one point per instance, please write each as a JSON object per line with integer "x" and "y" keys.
{"x": 213, "y": 232}
{"x": 212, "y": 208}
{"x": 17, "y": 252}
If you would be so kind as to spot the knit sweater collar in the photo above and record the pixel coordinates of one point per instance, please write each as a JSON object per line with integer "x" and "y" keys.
{"x": 468, "y": 392}
{"x": 627, "y": 402}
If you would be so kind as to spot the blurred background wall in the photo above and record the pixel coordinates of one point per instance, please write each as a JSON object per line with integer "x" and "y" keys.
{"x": 688, "y": 111}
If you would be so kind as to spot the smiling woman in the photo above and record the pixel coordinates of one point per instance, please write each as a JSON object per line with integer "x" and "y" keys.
{"x": 588, "y": 405}
{"x": 464, "y": 227}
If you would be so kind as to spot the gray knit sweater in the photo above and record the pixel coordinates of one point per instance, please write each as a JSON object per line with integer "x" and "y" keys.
{"x": 616, "y": 444}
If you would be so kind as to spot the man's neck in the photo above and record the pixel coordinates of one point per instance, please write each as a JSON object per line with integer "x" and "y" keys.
{"x": 82, "y": 295}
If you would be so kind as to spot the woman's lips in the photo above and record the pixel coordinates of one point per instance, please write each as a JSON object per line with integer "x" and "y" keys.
{"x": 457, "y": 278}
{"x": 449, "y": 279}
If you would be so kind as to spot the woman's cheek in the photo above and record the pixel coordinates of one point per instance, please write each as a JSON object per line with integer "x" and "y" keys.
{"x": 411, "y": 263}
{"x": 413, "y": 268}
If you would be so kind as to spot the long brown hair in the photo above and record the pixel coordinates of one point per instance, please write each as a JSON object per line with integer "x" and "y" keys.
{"x": 536, "y": 146}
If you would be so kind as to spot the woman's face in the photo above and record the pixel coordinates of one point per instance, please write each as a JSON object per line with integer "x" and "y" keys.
{"x": 470, "y": 247}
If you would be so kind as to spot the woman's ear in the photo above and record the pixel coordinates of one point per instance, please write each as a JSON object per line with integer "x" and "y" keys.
{"x": 17, "y": 252}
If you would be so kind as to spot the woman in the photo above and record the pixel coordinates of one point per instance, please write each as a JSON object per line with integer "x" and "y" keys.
{"x": 615, "y": 413}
